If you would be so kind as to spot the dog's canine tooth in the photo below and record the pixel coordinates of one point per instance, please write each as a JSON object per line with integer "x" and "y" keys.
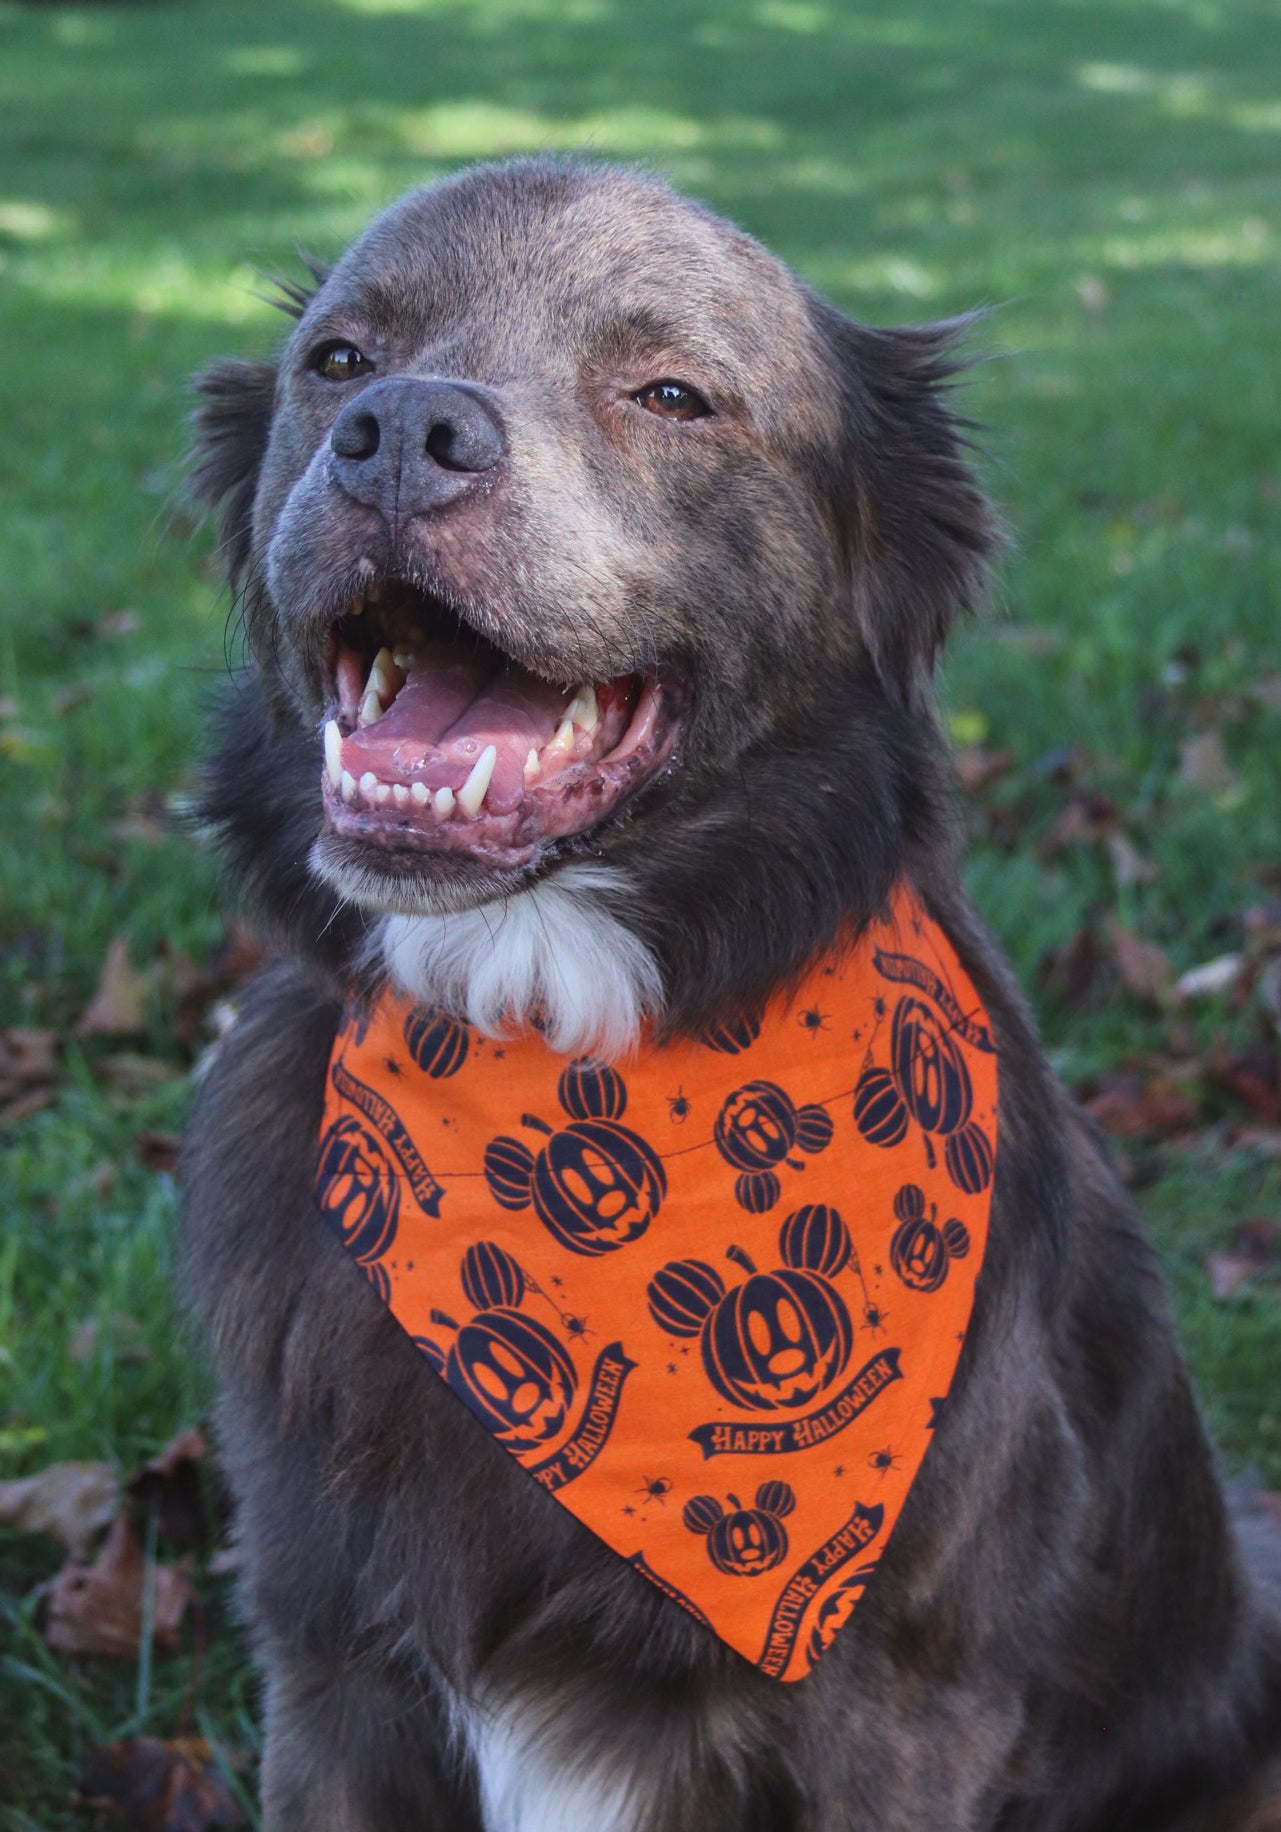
{"x": 533, "y": 768}
{"x": 382, "y": 675}
{"x": 419, "y": 794}
{"x": 582, "y": 709}
{"x": 371, "y": 708}
{"x": 333, "y": 753}
{"x": 443, "y": 801}
{"x": 348, "y": 786}
{"x": 472, "y": 793}
{"x": 564, "y": 738}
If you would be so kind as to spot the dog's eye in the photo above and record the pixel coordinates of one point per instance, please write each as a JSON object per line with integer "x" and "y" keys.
{"x": 340, "y": 362}
{"x": 672, "y": 401}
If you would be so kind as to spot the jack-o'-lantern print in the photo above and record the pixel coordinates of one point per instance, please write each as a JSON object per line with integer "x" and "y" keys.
{"x": 776, "y": 1341}
{"x": 835, "y": 1611}
{"x": 595, "y": 1184}
{"x": 357, "y": 1188}
{"x": 926, "y": 1079}
{"x": 747, "y": 1541}
{"x": 756, "y": 1130}
{"x": 921, "y": 1251}
{"x": 507, "y": 1367}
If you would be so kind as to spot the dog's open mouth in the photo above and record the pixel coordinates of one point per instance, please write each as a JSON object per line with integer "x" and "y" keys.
{"x": 435, "y": 741}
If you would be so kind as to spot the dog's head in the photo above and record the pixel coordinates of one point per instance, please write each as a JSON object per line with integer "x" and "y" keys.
{"x": 565, "y": 500}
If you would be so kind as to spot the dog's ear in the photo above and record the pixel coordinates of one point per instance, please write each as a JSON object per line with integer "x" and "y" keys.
{"x": 918, "y": 532}
{"x": 232, "y": 424}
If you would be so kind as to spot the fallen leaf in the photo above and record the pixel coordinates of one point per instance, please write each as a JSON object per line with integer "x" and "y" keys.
{"x": 115, "y": 624}
{"x": 98, "y": 1609}
{"x": 22, "y": 1106}
{"x": 157, "y": 1150}
{"x": 1252, "y": 1076}
{"x": 1203, "y": 764}
{"x": 977, "y": 768}
{"x": 1070, "y": 974}
{"x": 145, "y": 822}
{"x": 1255, "y": 1247}
{"x": 71, "y": 1502}
{"x": 156, "y": 1786}
{"x": 1228, "y": 1272}
{"x": 1143, "y": 966}
{"x": 1126, "y": 1103}
{"x": 1129, "y": 867}
{"x": 119, "y": 1006}
{"x": 170, "y": 1485}
{"x": 127, "y": 1340}
{"x": 27, "y": 1057}
{"x": 1211, "y": 978}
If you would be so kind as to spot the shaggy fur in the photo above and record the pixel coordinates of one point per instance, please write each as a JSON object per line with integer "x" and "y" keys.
{"x": 1061, "y": 1636}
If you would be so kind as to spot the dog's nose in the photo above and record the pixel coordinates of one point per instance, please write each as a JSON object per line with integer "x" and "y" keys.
{"x": 405, "y": 446}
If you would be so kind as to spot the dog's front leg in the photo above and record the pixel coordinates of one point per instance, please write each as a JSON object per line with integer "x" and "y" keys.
{"x": 345, "y": 1753}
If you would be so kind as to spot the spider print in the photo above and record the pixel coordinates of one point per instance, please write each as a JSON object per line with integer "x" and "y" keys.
{"x": 678, "y": 1106}
{"x": 577, "y": 1327}
{"x": 656, "y": 1490}
{"x": 875, "y": 1318}
{"x": 883, "y": 1461}
{"x": 813, "y": 1020}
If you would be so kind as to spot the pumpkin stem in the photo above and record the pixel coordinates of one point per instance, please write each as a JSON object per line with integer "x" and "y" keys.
{"x": 740, "y": 1259}
{"x": 536, "y": 1125}
{"x": 734, "y": 1498}
{"x": 929, "y": 1151}
{"x": 445, "y": 1321}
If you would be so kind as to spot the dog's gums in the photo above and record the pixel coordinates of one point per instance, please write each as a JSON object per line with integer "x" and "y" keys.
{"x": 435, "y": 742}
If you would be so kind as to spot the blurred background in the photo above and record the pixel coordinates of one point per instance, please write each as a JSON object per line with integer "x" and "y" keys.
{"x": 1104, "y": 176}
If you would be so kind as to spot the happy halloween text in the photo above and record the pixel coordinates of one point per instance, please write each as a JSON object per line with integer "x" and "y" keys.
{"x": 799, "y": 1434}
{"x": 611, "y": 1370}
{"x": 858, "y": 1531}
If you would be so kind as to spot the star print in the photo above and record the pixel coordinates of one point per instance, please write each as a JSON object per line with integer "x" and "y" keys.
{"x": 671, "y": 1367}
{"x": 685, "y": 1350}
{"x": 856, "y": 1036}
{"x": 499, "y": 1055}
{"x": 556, "y": 1282}
{"x": 839, "y": 1470}
{"x": 392, "y": 1066}
{"x": 629, "y": 1510}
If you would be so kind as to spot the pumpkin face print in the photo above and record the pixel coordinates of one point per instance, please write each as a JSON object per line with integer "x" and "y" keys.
{"x": 776, "y": 1341}
{"x": 596, "y": 1184}
{"x": 921, "y": 1251}
{"x": 757, "y": 1127}
{"x": 748, "y": 1541}
{"x": 514, "y": 1375}
{"x": 357, "y": 1188}
{"x": 929, "y": 1070}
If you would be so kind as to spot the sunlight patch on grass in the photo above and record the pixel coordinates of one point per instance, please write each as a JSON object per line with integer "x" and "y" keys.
{"x": 1243, "y": 244}
{"x": 31, "y": 222}
{"x": 266, "y": 60}
{"x": 491, "y": 14}
{"x": 881, "y": 273}
{"x": 475, "y": 128}
{"x": 793, "y": 16}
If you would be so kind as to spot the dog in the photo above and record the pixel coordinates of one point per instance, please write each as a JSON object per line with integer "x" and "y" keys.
{"x": 593, "y": 572}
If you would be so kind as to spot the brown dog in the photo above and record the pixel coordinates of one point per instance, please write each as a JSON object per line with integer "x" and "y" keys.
{"x": 593, "y": 570}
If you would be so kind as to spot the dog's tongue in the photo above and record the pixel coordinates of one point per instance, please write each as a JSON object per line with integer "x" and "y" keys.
{"x": 453, "y": 703}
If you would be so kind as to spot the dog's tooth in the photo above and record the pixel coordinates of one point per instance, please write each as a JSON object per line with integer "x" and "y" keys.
{"x": 368, "y": 786}
{"x": 404, "y": 659}
{"x": 533, "y": 768}
{"x": 400, "y": 794}
{"x": 371, "y": 709}
{"x": 382, "y": 675}
{"x": 382, "y": 794}
{"x": 564, "y": 738}
{"x": 333, "y": 753}
{"x": 348, "y": 786}
{"x": 420, "y": 794}
{"x": 472, "y": 793}
{"x": 583, "y": 710}
{"x": 443, "y": 801}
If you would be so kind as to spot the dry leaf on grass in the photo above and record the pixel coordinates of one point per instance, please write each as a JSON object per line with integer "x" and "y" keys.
{"x": 157, "y": 1150}
{"x": 156, "y": 1786}
{"x": 1204, "y": 765}
{"x": 1255, "y": 1247}
{"x": 1127, "y": 1103}
{"x": 1211, "y": 978}
{"x": 119, "y": 1006}
{"x": 170, "y": 1484}
{"x": 978, "y": 768}
{"x": 1143, "y": 966}
{"x": 28, "y": 1065}
{"x": 72, "y": 1502}
{"x": 98, "y": 1608}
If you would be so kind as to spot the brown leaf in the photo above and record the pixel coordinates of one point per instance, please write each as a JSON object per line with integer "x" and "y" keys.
{"x": 127, "y": 1344}
{"x": 1126, "y": 1103}
{"x": 1071, "y": 973}
{"x": 1129, "y": 867}
{"x": 1211, "y": 978}
{"x": 156, "y": 1786}
{"x": 978, "y": 768}
{"x": 119, "y": 1006}
{"x": 1143, "y": 966}
{"x": 145, "y": 822}
{"x": 1203, "y": 764}
{"x": 169, "y": 1483}
{"x": 133, "y": 1074}
{"x": 22, "y": 1106}
{"x": 71, "y": 1502}
{"x": 27, "y": 1058}
{"x": 157, "y": 1150}
{"x": 1228, "y": 1272}
{"x": 98, "y": 1609}
{"x": 1252, "y": 1076}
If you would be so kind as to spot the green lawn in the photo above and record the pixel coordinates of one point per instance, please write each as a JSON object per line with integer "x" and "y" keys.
{"x": 1104, "y": 175}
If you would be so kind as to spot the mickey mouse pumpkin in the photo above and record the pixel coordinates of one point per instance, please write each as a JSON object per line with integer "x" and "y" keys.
{"x": 595, "y": 1185}
{"x": 778, "y": 1339}
{"x": 926, "y": 1081}
{"x": 757, "y": 1127}
{"x": 750, "y": 1540}
{"x": 357, "y": 1188}
{"x": 921, "y": 1251}
{"x": 506, "y": 1367}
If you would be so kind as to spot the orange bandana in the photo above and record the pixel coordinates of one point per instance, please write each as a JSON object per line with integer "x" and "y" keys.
{"x": 712, "y": 1302}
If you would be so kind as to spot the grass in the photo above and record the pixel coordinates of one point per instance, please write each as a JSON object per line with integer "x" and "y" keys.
{"x": 1105, "y": 175}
